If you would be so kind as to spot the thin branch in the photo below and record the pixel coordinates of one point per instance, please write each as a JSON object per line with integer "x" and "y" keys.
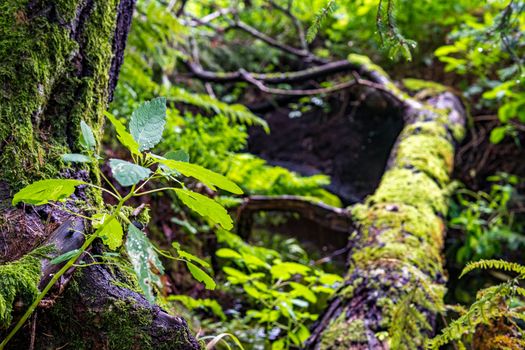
{"x": 298, "y": 26}
{"x": 276, "y": 91}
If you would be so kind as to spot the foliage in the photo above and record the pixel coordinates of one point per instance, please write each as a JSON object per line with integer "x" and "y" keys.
{"x": 146, "y": 127}
{"x": 491, "y": 48}
{"x": 503, "y": 300}
{"x": 487, "y": 220}
{"x": 281, "y": 295}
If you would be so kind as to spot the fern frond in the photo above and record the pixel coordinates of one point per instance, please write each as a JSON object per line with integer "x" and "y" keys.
{"x": 485, "y": 308}
{"x": 494, "y": 264}
{"x": 319, "y": 19}
{"x": 236, "y": 112}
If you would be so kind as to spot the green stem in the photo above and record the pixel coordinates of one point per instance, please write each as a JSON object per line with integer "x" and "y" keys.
{"x": 62, "y": 271}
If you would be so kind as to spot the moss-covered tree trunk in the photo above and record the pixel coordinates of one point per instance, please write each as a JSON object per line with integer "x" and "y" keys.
{"x": 59, "y": 63}
{"x": 395, "y": 284}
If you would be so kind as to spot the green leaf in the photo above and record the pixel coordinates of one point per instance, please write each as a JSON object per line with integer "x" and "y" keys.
{"x": 87, "y": 139}
{"x": 179, "y": 155}
{"x": 188, "y": 256}
{"x": 227, "y": 253}
{"x": 206, "y": 207}
{"x": 124, "y": 137}
{"x": 126, "y": 173}
{"x": 498, "y": 134}
{"x": 207, "y": 177}
{"x": 64, "y": 257}
{"x": 147, "y": 123}
{"x": 303, "y": 291}
{"x": 44, "y": 191}
{"x": 201, "y": 276}
{"x": 143, "y": 258}
{"x": 287, "y": 269}
{"x": 75, "y": 158}
{"x": 112, "y": 233}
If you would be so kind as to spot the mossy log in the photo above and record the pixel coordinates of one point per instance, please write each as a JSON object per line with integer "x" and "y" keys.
{"x": 59, "y": 64}
{"x": 395, "y": 284}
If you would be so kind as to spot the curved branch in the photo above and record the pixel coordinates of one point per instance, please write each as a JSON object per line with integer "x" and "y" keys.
{"x": 335, "y": 219}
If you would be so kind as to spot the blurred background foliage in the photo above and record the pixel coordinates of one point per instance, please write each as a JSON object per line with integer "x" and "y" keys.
{"x": 477, "y": 47}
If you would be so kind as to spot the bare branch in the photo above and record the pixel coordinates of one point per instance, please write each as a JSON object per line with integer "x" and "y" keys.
{"x": 335, "y": 219}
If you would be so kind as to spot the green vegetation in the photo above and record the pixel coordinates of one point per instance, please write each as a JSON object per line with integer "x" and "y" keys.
{"x": 218, "y": 183}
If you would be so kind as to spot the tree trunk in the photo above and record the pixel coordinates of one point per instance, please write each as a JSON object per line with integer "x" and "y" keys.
{"x": 395, "y": 284}
{"x": 59, "y": 63}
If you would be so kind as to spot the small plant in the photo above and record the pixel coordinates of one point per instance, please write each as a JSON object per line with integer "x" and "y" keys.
{"x": 108, "y": 223}
{"x": 281, "y": 295}
{"x": 501, "y": 301}
{"x": 486, "y": 219}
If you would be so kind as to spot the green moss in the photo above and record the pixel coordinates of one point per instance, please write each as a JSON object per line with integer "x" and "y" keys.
{"x": 409, "y": 187}
{"x": 342, "y": 334}
{"x": 43, "y": 96}
{"x": 19, "y": 281}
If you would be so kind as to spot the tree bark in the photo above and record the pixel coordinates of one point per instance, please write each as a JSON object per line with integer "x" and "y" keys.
{"x": 59, "y": 64}
{"x": 395, "y": 284}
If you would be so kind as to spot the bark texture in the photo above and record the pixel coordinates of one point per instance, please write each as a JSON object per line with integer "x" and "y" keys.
{"x": 395, "y": 283}
{"x": 59, "y": 64}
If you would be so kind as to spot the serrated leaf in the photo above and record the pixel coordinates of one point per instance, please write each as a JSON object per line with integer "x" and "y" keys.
{"x": 201, "y": 276}
{"x": 143, "y": 258}
{"x": 206, "y": 207}
{"x": 207, "y": 177}
{"x": 147, "y": 123}
{"x": 64, "y": 257}
{"x": 179, "y": 155}
{"x": 123, "y": 136}
{"x": 43, "y": 191}
{"x": 87, "y": 138}
{"x": 112, "y": 233}
{"x": 75, "y": 158}
{"x": 188, "y": 256}
{"x": 126, "y": 173}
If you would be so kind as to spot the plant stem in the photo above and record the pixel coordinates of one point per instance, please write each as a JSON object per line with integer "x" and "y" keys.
{"x": 62, "y": 271}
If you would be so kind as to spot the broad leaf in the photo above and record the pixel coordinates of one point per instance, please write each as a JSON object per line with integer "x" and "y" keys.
{"x": 147, "y": 123}
{"x": 201, "y": 276}
{"x": 207, "y": 177}
{"x": 44, "y": 191}
{"x": 206, "y": 207}
{"x": 143, "y": 258}
{"x": 87, "y": 139}
{"x": 126, "y": 173}
{"x": 124, "y": 137}
{"x": 285, "y": 270}
{"x": 112, "y": 233}
{"x": 75, "y": 158}
{"x": 64, "y": 257}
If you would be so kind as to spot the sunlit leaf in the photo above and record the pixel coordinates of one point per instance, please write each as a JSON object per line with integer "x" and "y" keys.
{"x": 123, "y": 136}
{"x": 206, "y": 207}
{"x": 43, "y": 191}
{"x": 112, "y": 233}
{"x": 188, "y": 256}
{"x": 207, "y": 177}
{"x": 201, "y": 276}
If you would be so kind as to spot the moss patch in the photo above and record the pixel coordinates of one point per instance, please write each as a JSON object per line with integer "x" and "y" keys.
{"x": 19, "y": 281}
